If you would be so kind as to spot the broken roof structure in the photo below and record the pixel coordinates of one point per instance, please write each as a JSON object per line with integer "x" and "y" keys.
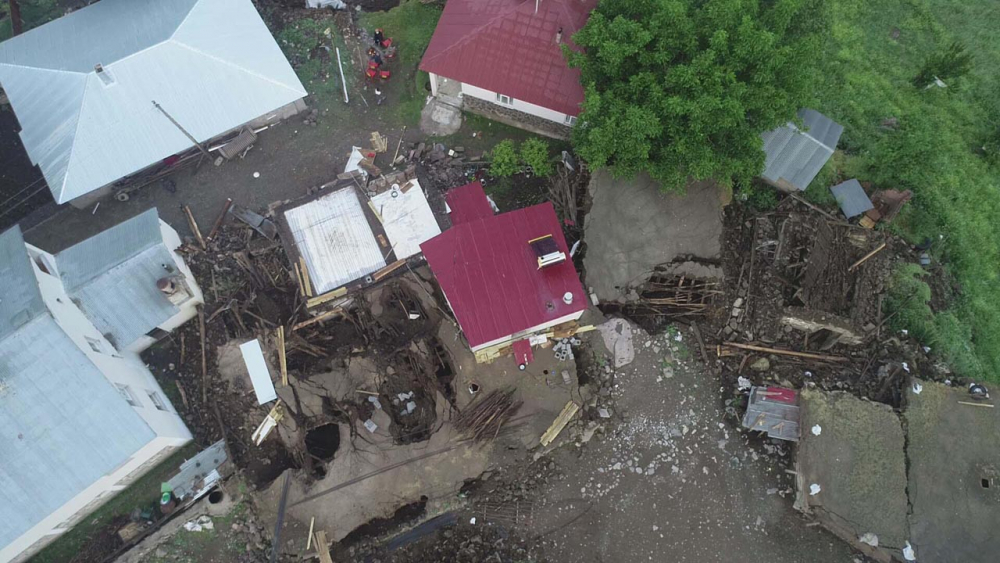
{"x": 112, "y": 277}
{"x": 83, "y": 86}
{"x": 774, "y": 410}
{"x": 343, "y": 236}
{"x": 510, "y": 47}
{"x": 490, "y": 274}
{"x": 795, "y": 156}
{"x": 852, "y": 198}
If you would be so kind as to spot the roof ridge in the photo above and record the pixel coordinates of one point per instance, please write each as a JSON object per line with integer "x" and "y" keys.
{"x": 471, "y": 34}
{"x": 232, "y": 65}
{"x": 72, "y": 148}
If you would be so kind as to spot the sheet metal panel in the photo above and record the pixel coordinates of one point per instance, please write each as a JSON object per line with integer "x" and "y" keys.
{"x": 216, "y": 68}
{"x": 407, "y": 219}
{"x": 335, "y": 239}
{"x": 260, "y": 376}
{"x": 63, "y": 425}
{"x": 20, "y": 299}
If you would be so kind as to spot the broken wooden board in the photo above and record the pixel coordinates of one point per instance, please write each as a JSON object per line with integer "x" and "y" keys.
{"x": 380, "y": 143}
{"x": 568, "y": 412}
{"x": 323, "y": 547}
{"x": 281, "y": 356}
{"x": 328, "y": 296}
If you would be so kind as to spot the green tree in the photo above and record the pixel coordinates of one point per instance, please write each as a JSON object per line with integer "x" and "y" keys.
{"x": 535, "y": 154}
{"x": 684, "y": 88}
{"x": 504, "y": 162}
{"x": 950, "y": 64}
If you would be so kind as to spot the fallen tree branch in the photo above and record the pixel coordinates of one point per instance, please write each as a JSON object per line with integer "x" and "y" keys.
{"x": 807, "y": 355}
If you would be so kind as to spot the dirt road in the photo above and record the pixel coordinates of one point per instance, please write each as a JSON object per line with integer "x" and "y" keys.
{"x": 671, "y": 481}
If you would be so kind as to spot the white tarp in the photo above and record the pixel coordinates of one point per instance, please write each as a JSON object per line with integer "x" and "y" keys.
{"x": 260, "y": 376}
{"x": 406, "y": 217}
{"x": 353, "y": 163}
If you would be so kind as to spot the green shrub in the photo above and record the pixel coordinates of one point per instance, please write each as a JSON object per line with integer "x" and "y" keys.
{"x": 505, "y": 162}
{"x": 760, "y": 197}
{"x": 950, "y": 64}
{"x": 535, "y": 154}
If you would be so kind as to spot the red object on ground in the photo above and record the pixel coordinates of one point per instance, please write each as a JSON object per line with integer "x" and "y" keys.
{"x": 490, "y": 276}
{"x": 522, "y": 352}
{"x": 779, "y": 395}
{"x": 387, "y": 42}
{"x": 384, "y": 74}
{"x": 468, "y": 203}
{"x": 371, "y": 72}
{"x": 505, "y": 47}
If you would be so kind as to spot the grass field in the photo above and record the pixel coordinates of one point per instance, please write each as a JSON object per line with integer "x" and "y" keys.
{"x": 875, "y": 50}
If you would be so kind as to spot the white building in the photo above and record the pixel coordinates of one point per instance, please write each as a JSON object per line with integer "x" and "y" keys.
{"x": 81, "y": 416}
{"x": 503, "y": 59}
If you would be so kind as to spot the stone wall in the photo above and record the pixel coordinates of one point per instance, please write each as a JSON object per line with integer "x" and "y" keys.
{"x": 516, "y": 118}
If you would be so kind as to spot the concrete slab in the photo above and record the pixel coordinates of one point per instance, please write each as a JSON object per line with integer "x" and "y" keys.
{"x": 633, "y": 226}
{"x": 441, "y": 117}
{"x": 857, "y": 460}
{"x": 954, "y": 450}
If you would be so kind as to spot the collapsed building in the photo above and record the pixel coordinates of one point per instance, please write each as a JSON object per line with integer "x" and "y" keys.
{"x": 81, "y": 415}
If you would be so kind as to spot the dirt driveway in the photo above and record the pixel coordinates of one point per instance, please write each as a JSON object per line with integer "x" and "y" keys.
{"x": 671, "y": 480}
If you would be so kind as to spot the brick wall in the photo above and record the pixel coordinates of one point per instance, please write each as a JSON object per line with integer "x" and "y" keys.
{"x": 516, "y": 118}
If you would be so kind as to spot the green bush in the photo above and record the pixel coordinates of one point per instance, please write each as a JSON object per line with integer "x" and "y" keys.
{"x": 760, "y": 197}
{"x": 535, "y": 154}
{"x": 950, "y": 64}
{"x": 504, "y": 162}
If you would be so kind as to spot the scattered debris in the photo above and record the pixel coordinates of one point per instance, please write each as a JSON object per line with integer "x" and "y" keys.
{"x": 481, "y": 421}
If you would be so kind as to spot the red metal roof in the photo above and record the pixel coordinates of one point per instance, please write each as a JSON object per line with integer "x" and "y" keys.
{"x": 505, "y": 47}
{"x": 468, "y": 203}
{"x": 490, "y": 274}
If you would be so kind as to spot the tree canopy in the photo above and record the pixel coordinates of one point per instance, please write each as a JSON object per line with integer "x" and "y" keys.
{"x": 684, "y": 88}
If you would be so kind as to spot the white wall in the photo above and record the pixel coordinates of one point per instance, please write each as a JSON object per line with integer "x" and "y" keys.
{"x": 125, "y": 368}
{"x": 188, "y": 309}
{"x": 88, "y": 500}
{"x": 530, "y": 331}
{"x": 519, "y": 105}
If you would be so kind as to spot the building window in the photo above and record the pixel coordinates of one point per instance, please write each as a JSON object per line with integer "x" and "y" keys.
{"x": 127, "y": 393}
{"x": 570, "y": 120}
{"x": 95, "y": 344}
{"x": 505, "y": 100}
{"x": 157, "y": 400}
{"x": 157, "y": 334}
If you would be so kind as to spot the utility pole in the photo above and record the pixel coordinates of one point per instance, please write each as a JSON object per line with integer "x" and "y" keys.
{"x": 15, "y": 17}
{"x": 178, "y": 125}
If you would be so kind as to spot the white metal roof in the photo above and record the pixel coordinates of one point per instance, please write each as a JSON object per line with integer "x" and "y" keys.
{"x": 212, "y": 64}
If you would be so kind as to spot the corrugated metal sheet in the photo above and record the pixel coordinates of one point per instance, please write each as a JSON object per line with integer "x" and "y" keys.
{"x": 797, "y": 156}
{"x": 112, "y": 278}
{"x": 212, "y": 64}
{"x": 407, "y": 219}
{"x": 20, "y": 299}
{"x": 490, "y": 274}
{"x": 196, "y": 472}
{"x": 62, "y": 425}
{"x": 468, "y": 203}
{"x": 852, "y": 198}
{"x": 335, "y": 239}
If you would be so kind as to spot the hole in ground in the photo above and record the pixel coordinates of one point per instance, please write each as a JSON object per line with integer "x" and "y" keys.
{"x": 378, "y": 526}
{"x": 215, "y": 497}
{"x": 985, "y": 483}
{"x": 323, "y": 441}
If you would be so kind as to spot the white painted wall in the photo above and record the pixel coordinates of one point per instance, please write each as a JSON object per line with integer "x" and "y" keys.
{"x": 530, "y": 331}
{"x": 519, "y": 105}
{"x": 87, "y": 501}
{"x": 189, "y": 309}
{"x": 119, "y": 367}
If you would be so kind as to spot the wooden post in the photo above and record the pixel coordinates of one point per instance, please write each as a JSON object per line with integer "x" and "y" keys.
{"x": 807, "y": 355}
{"x": 222, "y": 217}
{"x": 865, "y": 258}
{"x": 204, "y": 361}
{"x": 340, "y": 65}
{"x": 281, "y": 356}
{"x": 194, "y": 227}
{"x": 16, "y": 25}
{"x": 399, "y": 144}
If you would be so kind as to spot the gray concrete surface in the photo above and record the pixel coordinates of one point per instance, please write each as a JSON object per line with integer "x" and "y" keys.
{"x": 671, "y": 481}
{"x": 634, "y": 226}
{"x": 441, "y": 116}
{"x": 952, "y": 449}
{"x": 859, "y": 464}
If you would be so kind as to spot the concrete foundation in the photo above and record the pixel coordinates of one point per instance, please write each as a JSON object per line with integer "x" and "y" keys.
{"x": 515, "y": 118}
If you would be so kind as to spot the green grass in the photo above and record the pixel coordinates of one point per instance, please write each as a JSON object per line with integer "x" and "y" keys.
{"x": 410, "y": 25}
{"x": 144, "y": 492}
{"x": 866, "y": 78}
{"x": 33, "y": 14}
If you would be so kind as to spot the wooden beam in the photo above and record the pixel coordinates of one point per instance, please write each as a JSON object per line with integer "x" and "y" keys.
{"x": 281, "y": 356}
{"x": 568, "y": 412}
{"x": 987, "y": 405}
{"x": 865, "y": 258}
{"x": 323, "y": 547}
{"x": 305, "y": 276}
{"x": 328, "y": 296}
{"x": 194, "y": 227}
{"x": 318, "y": 319}
{"x": 388, "y": 270}
{"x": 222, "y": 217}
{"x": 807, "y": 355}
{"x": 312, "y": 521}
{"x": 204, "y": 361}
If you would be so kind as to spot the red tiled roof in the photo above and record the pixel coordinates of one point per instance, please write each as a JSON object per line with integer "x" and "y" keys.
{"x": 490, "y": 274}
{"x": 468, "y": 203}
{"x": 505, "y": 47}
